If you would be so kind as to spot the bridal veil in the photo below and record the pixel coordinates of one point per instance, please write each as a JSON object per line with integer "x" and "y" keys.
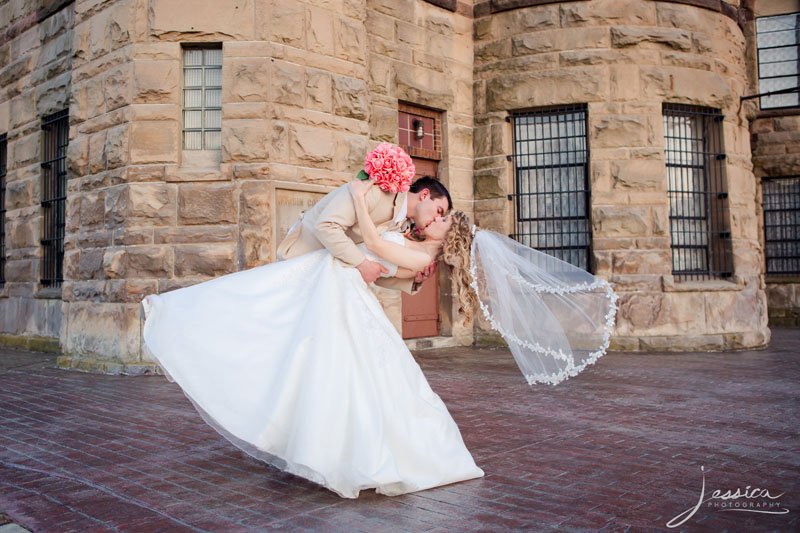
{"x": 555, "y": 317}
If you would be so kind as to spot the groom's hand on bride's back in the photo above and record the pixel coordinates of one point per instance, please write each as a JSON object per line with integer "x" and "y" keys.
{"x": 371, "y": 270}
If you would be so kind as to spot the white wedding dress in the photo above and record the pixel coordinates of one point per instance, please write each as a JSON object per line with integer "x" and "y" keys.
{"x": 296, "y": 363}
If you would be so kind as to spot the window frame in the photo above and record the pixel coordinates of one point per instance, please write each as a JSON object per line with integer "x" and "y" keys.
{"x": 780, "y": 196}
{"x": 758, "y": 63}
{"x": 580, "y": 253}
{"x": 203, "y": 108}
{"x": 55, "y": 140}
{"x": 715, "y": 231}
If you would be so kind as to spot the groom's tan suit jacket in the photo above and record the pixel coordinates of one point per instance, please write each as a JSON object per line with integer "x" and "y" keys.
{"x": 332, "y": 224}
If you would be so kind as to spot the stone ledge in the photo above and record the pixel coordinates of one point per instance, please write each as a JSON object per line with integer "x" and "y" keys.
{"x": 52, "y": 293}
{"x": 73, "y": 362}
{"x": 790, "y": 319}
{"x": 490, "y": 7}
{"x": 449, "y": 5}
{"x": 31, "y": 342}
{"x": 709, "y": 285}
{"x": 780, "y": 280}
{"x": 432, "y": 343}
{"x": 784, "y": 312}
{"x": 748, "y": 340}
{"x": 177, "y": 174}
{"x": 489, "y": 338}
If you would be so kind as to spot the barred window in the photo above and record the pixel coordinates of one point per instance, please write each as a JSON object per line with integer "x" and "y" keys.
{"x": 782, "y": 225}
{"x": 778, "y": 42}
{"x": 202, "y": 98}
{"x": 3, "y": 161}
{"x": 55, "y": 129}
{"x": 698, "y": 197}
{"x": 552, "y": 182}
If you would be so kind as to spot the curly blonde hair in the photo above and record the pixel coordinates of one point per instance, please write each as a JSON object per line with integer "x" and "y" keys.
{"x": 455, "y": 254}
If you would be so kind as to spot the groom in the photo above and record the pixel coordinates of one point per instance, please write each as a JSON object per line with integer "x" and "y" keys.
{"x": 332, "y": 224}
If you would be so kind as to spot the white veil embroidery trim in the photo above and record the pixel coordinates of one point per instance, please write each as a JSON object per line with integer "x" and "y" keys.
{"x": 556, "y": 360}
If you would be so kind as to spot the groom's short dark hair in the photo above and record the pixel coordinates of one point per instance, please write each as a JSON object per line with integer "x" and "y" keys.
{"x": 434, "y": 186}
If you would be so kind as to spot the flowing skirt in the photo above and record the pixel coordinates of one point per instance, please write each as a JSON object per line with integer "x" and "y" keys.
{"x": 296, "y": 364}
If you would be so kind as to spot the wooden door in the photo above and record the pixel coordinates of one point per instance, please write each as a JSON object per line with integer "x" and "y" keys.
{"x": 421, "y": 311}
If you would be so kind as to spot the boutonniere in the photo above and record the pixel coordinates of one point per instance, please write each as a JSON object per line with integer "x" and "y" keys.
{"x": 414, "y": 232}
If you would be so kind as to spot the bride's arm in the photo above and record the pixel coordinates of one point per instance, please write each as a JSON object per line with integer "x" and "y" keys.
{"x": 358, "y": 190}
{"x": 394, "y": 253}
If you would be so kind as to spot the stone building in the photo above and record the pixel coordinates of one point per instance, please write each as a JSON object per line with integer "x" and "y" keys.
{"x": 775, "y": 143}
{"x": 152, "y": 144}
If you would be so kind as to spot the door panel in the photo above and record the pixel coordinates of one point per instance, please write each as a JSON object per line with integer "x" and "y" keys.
{"x": 421, "y": 311}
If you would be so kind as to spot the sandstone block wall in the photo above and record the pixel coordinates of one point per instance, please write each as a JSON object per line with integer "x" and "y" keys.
{"x": 624, "y": 58}
{"x": 308, "y": 88}
{"x": 422, "y": 54}
{"x": 776, "y": 154}
{"x": 35, "y": 81}
{"x": 775, "y": 140}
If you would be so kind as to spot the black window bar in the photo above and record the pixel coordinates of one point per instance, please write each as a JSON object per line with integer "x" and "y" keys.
{"x": 698, "y": 195}
{"x": 55, "y": 129}
{"x": 781, "y": 201}
{"x": 552, "y": 205}
{"x": 778, "y": 48}
{"x": 3, "y": 163}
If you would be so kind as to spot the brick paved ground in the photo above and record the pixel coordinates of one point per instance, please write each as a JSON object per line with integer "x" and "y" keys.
{"x": 618, "y": 448}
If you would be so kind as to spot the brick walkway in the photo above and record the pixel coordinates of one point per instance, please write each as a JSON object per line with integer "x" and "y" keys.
{"x": 619, "y": 447}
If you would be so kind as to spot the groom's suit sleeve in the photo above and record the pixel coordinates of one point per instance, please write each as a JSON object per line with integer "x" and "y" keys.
{"x": 336, "y": 218}
{"x": 399, "y": 284}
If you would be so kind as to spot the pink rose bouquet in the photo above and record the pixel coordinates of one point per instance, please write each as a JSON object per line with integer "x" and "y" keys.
{"x": 389, "y": 167}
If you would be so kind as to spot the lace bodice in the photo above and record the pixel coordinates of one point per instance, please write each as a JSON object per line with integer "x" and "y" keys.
{"x": 391, "y": 236}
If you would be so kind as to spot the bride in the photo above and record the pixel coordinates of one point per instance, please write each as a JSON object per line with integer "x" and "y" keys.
{"x": 296, "y": 364}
